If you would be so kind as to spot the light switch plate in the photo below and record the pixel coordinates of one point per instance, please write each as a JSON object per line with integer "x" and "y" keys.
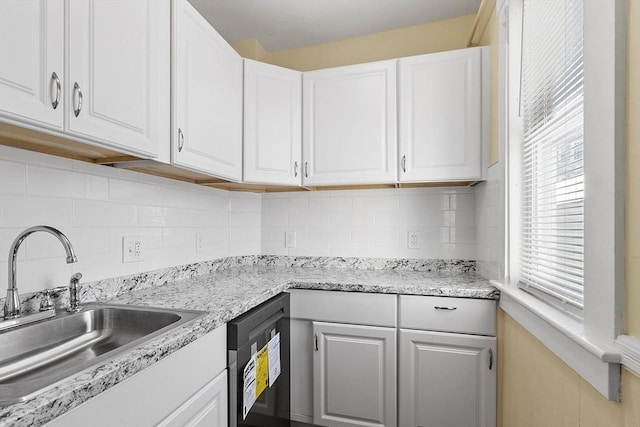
{"x": 289, "y": 239}
{"x": 199, "y": 242}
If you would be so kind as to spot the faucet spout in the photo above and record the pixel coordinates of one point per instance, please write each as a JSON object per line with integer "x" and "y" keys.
{"x": 12, "y": 303}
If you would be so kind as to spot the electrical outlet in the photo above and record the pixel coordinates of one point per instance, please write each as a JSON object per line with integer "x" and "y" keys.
{"x": 413, "y": 240}
{"x": 199, "y": 242}
{"x": 132, "y": 249}
{"x": 289, "y": 239}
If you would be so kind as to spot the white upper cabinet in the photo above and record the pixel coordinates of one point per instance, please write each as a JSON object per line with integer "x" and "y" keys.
{"x": 118, "y": 77}
{"x": 440, "y": 116}
{"x": 207, "y": 97}
{"x": 349, "y": 125}
{"x": 272, "y": 124}
{"x": 32, "y": 61}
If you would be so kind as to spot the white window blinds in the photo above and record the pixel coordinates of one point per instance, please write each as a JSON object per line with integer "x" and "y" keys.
{"x": 552, "y": 152}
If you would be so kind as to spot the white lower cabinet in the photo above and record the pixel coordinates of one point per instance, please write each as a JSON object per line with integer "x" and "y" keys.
{"x": 446, "y": 380}
{"x": 362, "y": 359}
{"x": 354, "y": 375}
{"x": 207, "y": 408}
{"x": 186, "y": 388}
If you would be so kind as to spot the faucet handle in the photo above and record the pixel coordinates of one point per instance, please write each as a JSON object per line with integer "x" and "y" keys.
{"x": 74, "y": 298}
{"x": 45, "y": 302}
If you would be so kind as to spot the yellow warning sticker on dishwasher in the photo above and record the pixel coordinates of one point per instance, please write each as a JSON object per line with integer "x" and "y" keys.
{"x": 262, "y": 370}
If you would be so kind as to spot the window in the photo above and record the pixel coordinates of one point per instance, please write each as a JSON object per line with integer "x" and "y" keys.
{"x": 552, "y": 196}
{"x": 562, "y": 96}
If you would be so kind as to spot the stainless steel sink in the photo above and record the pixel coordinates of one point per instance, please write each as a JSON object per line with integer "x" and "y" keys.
{"x": 35, "y": 356}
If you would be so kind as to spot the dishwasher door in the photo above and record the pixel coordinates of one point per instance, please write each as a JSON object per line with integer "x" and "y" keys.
{"x": 246, "y": 335}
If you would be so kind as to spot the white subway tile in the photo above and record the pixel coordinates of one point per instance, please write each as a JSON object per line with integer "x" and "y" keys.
{"x": 96, "y": 187}
{"x": 25, "y": 211}
{"x": 90, "y": 213}
{"x": 253, "y": 204}
{"x": 244, "y": 248}
{"x": 330, "y": 204}
{"x": 13, "y": 178}
{"x": 308, "y": 218}
{"x": 245, "y": 219}
{"x": 280, "y": 219}
{"x": 7, "y": 236}
{"x": 34, "y": 158}
{"x": 85, "y": 240}
{"x": 243, "y": 234}
{"x": 375, "y": 234}
{"x": 308, "y": 248}
{"x": 462, "y": 202}
{"x": 288, "y": 205}
{"x": 274, "y": 248}
{"x": 352, "y": 249}
{"x": 363, "y": 219}
{"x": 463, "y": 234}
{"x": 54, "y": 182}
{"x": 331, "y": 234}
{"x": 36, "y": 275}
{"x": 134, "y": 192}
{"x": 387, "y": 203}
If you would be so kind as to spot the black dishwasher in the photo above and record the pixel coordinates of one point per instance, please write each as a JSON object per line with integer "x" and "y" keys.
{"x": 246, "y": 336}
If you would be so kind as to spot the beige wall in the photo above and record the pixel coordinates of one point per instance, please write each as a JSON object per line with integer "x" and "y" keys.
{"x": 535, "y": 387}
{"x": 490, "y": 38}
{"x": 437, "y": 36}
{"x": 632, "y": 273}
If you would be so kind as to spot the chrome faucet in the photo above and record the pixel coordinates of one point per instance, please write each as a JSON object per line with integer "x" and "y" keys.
{"x": 12, "y": 303}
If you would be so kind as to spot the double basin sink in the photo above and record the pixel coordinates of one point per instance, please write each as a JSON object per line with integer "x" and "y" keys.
{"x": 36, "y": 356}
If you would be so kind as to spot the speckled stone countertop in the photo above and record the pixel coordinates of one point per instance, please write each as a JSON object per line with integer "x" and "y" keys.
{"x": 226, "y": 289}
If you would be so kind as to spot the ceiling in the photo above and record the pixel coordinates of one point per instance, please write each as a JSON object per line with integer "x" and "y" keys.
{"x": 286, "y": 24}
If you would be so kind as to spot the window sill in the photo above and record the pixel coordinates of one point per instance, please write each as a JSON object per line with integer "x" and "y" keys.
{"x": 597, "y": 364}
{"x": 629, "y": 347}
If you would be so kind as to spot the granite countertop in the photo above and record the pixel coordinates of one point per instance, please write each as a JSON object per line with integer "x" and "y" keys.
{"x": 225, "y": 291}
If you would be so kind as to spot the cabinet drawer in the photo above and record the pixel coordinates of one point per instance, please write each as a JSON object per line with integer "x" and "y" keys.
{"x": 344, "y": 307}
{"x": 461, "y": 315}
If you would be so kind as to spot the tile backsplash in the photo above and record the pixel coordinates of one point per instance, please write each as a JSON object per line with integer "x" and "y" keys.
{"x": 372, "y": 223}
{"x": 95, "y": 206}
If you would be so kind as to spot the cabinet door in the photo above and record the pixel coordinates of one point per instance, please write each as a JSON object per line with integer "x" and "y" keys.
{"x": 354, "y": 375}
{"x": 446, "y": 380}
{"x": 440, "y": 111}
{"x": 349, "y": 124}
{"x": 32, "y": 61}
{"x": 301, "y": 369}
{"x": 207, "y": 97}
{"x": 206, "y": 408}
{"x": 118, "y": 73}
{"x": 272, "y": 124}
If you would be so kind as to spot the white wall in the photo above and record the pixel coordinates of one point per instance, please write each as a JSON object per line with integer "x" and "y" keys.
{"x": 372, "y": 223}
{"x": 490, "y": 224}
{"x": 96, "y": 205}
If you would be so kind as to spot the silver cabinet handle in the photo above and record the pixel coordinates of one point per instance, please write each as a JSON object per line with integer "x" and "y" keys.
{"x": 180, "y": 140}
{"x": 404, "y": 163}
{"x": 295, "y": 169}
{"x": 55, "y": 79}
{"x": 306, "y": 169}
{"x": 437, "y": 307}
{"x": 76, "y": 89}
{"x": 490, "y": 359}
